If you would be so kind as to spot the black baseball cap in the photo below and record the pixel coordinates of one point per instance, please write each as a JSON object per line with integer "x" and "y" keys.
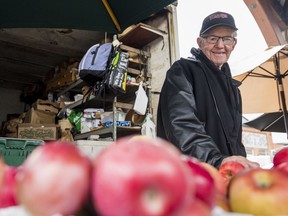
{"x": 217, "y": 19}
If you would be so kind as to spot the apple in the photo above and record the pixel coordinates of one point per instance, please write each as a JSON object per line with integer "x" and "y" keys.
{"x": 229, "y": 169}
{"x": 198, "y": 208}
{"x": 219, "y": 181}
{"x": 222, "y": 202}
{"x": 54, "y": 179}
{"x": 282, "y": 166}
{"x": 138, "y": 177}
{"x": 155, "y": 141}
{"x": 7, "y": 186}
{"x": 2, "y": 166}
{"x": 259, "y": 192}
{"x": 280, "y": 156}
{"x": 205, "y": 188}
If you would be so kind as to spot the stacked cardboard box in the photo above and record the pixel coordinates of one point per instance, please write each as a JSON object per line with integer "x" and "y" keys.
{"x": 39, "y": 122}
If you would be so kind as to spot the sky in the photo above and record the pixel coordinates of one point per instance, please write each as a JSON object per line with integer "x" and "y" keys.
{"x": 250, "y": 39}
{"x": 191, "y": 14}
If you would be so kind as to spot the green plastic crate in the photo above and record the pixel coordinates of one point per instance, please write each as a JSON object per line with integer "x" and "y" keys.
{"x": 15, "y": 151}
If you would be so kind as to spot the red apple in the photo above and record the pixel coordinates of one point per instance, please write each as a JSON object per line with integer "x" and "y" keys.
{"x": 198, "y": 208}
{"x": 54, "y": 179}
{"x": 229, "y": 169}
{"x": 139, "y": 177}
{"x": 7, "y": 186}
{"x": 282, "y": 166}
{"x": 259, "y": 192}
{"x": 2, "y": 166}
{"x": 205, "y": 188}
{"x": 280, "y": 156}
{"x": 219, "y": 181}
{"x": 155, "y": 141}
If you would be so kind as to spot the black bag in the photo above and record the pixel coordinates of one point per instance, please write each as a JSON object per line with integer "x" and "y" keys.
{"x": 118, "y": 70}
{"x": 95, "y": 63}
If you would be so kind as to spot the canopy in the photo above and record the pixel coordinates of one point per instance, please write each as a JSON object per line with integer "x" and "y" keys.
{"x": 272, "y": 122}
{"x": 251, "y": 62}
{"x": 111, "y": 16}
{"x": 260, "y": 75}
{"x": 264, "y": 82}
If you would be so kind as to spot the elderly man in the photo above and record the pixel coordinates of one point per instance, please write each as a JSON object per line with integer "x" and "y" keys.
{"x": 200, "y": 104}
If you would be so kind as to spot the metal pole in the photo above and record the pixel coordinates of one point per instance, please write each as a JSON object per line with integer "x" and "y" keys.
{"x": 114, "y": 119}
{"x": 281, "y": 91}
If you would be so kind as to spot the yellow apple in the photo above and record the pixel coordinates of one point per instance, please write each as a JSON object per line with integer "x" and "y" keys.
{"x": 259, "y": 192}
{"x": 222, "y": 202}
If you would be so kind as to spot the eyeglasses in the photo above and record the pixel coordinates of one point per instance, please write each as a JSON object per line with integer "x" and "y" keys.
{"x": 212, "y": 39}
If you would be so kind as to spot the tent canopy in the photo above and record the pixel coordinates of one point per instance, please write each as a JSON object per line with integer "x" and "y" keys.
{"x": 101, "y": 15}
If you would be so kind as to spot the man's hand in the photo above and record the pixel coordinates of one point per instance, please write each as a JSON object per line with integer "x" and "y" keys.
{"x": 240, "y": 159}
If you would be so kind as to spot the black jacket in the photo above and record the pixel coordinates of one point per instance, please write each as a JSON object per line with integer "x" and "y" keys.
{"x": 187, "y": 115}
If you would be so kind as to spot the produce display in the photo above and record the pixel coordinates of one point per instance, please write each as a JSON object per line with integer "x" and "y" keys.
{"x": 140, "y": 176}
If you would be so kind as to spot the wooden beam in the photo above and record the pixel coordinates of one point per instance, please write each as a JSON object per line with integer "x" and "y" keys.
{"x": 266, "y": 20}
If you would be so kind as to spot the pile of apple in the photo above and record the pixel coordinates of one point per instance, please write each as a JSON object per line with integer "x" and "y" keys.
{"x": 139, "y": 176}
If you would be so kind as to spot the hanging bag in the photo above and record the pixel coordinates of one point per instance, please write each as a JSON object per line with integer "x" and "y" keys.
{"x": 95, "y": 63}
{"x": 118, "y": 71}
{"x": 141, "y": 101}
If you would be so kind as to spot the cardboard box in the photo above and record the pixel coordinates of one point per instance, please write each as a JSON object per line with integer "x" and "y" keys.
{"x": 39, "y": 131}
{"x": 108, "y": 116}
{"x": 34, "y": 116}
{"x": 93, "y": 113}
{"x": 46, "y": 105}
{"x": 88, "y": 124}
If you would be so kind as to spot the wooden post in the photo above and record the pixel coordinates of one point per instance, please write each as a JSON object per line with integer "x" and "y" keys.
{"x": 266, "y": 18}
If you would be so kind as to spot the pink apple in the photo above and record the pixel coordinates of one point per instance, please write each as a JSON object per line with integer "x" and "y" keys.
{"x": 54, "y": 179}
{"x": 259, "y": 192}
{"x": 205, "y": 188}
{"x": 7, "y": 186}
{"x": 219, "y": 181}
{"x": 198, "y": 208}
{"x": 280, "y": 156}
{"x": 282, "y": 166}
{"x": 229, "y": 169}
{"x": 139, "y": 177}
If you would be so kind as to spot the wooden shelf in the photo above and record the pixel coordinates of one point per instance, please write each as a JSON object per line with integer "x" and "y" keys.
{"x": 124, "y": 105}
{"x": 76, "y": 85}
{"x": 108, "y": 130}
{"x": 140, "y": 35}
{"x": 132, "y": 43}
{"x": 134, "y": 50}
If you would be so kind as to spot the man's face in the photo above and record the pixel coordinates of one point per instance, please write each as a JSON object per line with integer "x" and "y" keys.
{"x": 218, "y": 51}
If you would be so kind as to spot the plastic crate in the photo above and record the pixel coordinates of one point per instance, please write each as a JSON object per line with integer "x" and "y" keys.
{"x": 14, "y": 151}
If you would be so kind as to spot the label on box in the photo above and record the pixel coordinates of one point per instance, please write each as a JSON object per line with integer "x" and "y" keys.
{"x": 118, "y": 123}
{"x": 38, "y": 131}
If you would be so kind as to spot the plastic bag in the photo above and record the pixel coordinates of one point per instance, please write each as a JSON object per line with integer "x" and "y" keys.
{"x": 141, "y": 101}
{"x": 75, "y": 119}
{"x": 148, "y": 127}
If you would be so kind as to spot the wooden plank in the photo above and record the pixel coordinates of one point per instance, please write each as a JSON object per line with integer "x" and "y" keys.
{"x": 140, "y": 35}
{"x": 124, "y": 105}
{"x": 134, "y": 50}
